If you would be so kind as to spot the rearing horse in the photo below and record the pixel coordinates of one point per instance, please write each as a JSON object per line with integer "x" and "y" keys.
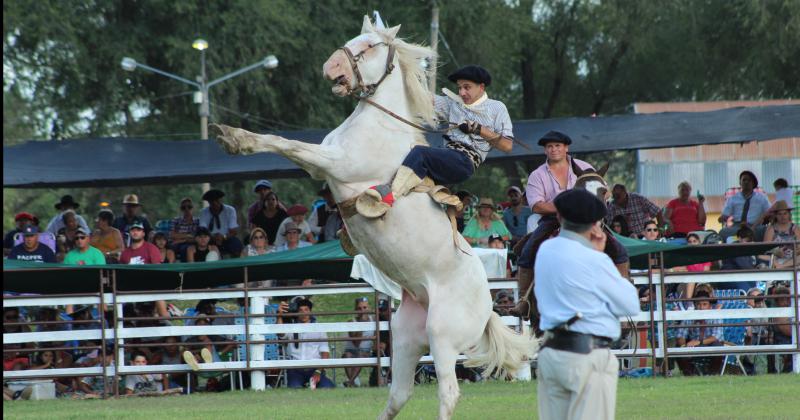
{"x": 446, "y": 307}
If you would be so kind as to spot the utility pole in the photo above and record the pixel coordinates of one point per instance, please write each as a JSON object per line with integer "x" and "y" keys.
{"x": 434, "y": 45}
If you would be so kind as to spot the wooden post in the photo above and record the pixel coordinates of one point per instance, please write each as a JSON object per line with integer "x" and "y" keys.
{"x": 434, "y": 45}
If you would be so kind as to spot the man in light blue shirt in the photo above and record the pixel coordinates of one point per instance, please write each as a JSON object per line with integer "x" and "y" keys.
{"x": 581, "y": 297}
{"x": 747, "y": 207}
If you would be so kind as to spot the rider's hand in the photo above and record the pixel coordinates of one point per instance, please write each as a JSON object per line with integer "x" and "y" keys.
{"x": 470, "y": 127}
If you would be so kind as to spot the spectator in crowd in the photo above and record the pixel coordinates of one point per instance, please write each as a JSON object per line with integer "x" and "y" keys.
{"x": 781, "y": 330}
{"x": 706, "y": 333}
{"x": 262, "y": 188}
{"x": 496, "y": 242}
{"x": 31, "y": 249}
{"x": 783, "y": 230}
{"x": 381, "y": 377}
{"x": 466, "y": 212}
{"x": 142, "y": 252}
{"x": 270, "y": 217}
{"x": 160, "y": 241}
{"x": 220, "y": 219}
{"x": 636, "y": 209}
{"x": 106, "y": 238}
{"x": 14, "y": 359}
{"x": 65, "y": 239}
{"x": 484, "y": 224}
{"x": 747, "y": 207}
{"x": 650, "y": 231}
{"x": 782, "y": 191}
{"x": 83, "y": 253}
{"x": 516, "y": 215}
{"x": 148, "y": 382}
{"x": 202, "y": 250}
{"x": 744, "y": 262}
{"x": 131, "y": 209}
{"x": 755, "y": 334}
{"x": 57, "y": 222}
{"x": 20, "y": 221}
{"x": 292, "y": 236}
{"x": 92, "y": 386}
{"x": 306, "y": 350}
{"x": 325, "y": 220}
{"x": 359, "y": 347}
{"x": 183, "y": 228}
{"x": 258, "y": 244}
{"x": 503, "y": 301}
{"x": 684, "y": 215}
{"x": 297, "y": 215}
{"x": 620, "y": 226}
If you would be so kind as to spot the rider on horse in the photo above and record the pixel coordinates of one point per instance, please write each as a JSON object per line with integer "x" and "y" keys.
{"x": 484, "y": 123}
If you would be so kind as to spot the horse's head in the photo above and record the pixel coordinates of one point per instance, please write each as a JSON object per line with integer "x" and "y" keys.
{"x": 592, "y": 180}
{"x": 364, "y": 60}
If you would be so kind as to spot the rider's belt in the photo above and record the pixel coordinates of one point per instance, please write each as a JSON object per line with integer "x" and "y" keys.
{"x": 575, "y": 342}
{"x": 471, "y": 153}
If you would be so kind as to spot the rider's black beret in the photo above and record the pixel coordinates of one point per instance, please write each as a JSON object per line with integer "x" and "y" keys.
{"x": 555, "y": 137}
{"x": 580, "y": 206}
{"x": 473, "y": 73}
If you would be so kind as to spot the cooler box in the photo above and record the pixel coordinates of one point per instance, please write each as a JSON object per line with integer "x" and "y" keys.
{"x": 42, "y": 389}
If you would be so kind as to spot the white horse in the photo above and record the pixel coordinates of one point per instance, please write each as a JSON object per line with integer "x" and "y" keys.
{"x": 446, "y": 306}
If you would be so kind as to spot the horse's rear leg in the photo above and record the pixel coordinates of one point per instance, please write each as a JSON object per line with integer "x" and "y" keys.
{"x": 409, "y": 343}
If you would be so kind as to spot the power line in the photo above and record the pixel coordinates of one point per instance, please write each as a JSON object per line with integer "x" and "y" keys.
{"x": 447, "y": 47}
{"x": 264, "y": 121}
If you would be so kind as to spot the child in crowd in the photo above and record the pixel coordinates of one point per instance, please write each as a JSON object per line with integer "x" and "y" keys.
{"x": 135, "y": 384}
{"x": 297, "y": 215}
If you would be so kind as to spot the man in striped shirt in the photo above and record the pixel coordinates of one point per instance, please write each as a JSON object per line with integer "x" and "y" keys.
{"x": 483, "y": 123}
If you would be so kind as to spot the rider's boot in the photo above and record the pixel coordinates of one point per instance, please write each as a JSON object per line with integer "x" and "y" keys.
{"x": 524, "y": 283}
{"x": 377, "y": 200}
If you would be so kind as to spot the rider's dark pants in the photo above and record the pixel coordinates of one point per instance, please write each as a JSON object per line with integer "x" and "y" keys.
{"x": 444, "y": 166}
{"x": 546, "y": 225}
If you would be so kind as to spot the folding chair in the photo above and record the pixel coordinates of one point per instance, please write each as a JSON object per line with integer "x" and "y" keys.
{"x": 733, "y": 336}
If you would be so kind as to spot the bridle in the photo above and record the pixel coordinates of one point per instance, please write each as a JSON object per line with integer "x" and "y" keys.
{"x": 363, "y": 91}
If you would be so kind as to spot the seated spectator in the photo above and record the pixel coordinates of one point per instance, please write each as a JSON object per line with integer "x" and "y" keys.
{"x": 747, "y": 207}
{"x": 781, "y": 332}
{"x": 636, "y": 209}
{"x": 83, "y": 253}
{"x": 503, "y": 302}
{"x": 131, "y": 209}
{"x": 147, "y": 382}
{"x": 258, "y": 244}
{"x": 202, "y": 250}
{"x": 744, "y": 262}
{"x": 466, "y": 212}
{"x": 199, "y": 348}
{"x": 50, "y": 359}
{"x": 706, "y": 333}
{"x": 66, "y": 235}
{"x": 755, "y": 334}
{"x": 783, "y": 230}
{"x": 620, "y": 226}
{"x": 297, "y": 216}
{"x": 270, "y": 217}
{"x": 484, "y": 224}
{"x": 359, "y": 347}
{"x": 31, "y": 249}
{"x": 220, "y": 219}
{"x": 106, "y": 238}
{"x": 20, "y": 220}
{"x": 651, "y": 231}
{"x": 92, "y": 386}
{"x": 14, "y": 359}
{"x": 306, "y": 350}
{"x": 496, "y": 242}
{"x": 325, "y": 220}
{"x": 160, "y": 241}
{"x": 57, "y": 222}
{"x": 292, "y": 236}
{"x": 139, "y": 251}
{"x": 683, "y": 214}
{"x": 183, "y": 228}
{"x": 262, "y": 188}
{"x": 516, "y": 215}
{"x": 782, "y": 192}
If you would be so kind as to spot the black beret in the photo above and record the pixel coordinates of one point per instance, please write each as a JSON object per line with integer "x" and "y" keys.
{"x": 555, "y": 137}
{"x": 472, "y": 72}
{"x": 212, "y": 195}
{"x": 580, "y": 206}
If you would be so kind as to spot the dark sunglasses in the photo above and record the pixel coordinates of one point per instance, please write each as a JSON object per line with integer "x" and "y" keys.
{"x": 80, "y": 238}
{"x": 651, "y": 230}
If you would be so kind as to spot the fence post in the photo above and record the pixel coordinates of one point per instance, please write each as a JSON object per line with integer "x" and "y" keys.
{"x": 258, "y": 378}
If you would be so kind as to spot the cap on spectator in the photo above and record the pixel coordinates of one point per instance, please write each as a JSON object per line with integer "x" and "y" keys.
{"x": 23, "y": 216}
{"x": 325, "y": 189}
{"x": 473, "y": 73}
{"x": 67, "y": 200}
{"x": 486, "y": 202}
{"x": 514, "y": 188}
{"x": 131, "y": 200}
{"x": 136, "y": 225}
{"x": 296, "y": 210}
{"x": 495, "y": 237}
{"x": 262, "y": 184}
{"x": 212, "y": 195}
{"x": 202, "y": 231}
{"x": 580, "y": 206}
{"x": 30, "y": 230}
{"x": 291, "y": 227}
{"x": 555, "y": 137}
{"x": 83, "y": 230}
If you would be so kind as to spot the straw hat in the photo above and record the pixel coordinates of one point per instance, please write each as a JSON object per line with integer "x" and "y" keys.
{"x": 781, "y": 205}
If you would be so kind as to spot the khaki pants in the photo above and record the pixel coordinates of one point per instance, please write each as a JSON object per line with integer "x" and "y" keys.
{"x": 577, "y": 386}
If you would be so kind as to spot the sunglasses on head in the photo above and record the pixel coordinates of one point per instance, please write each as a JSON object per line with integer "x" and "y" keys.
{"x": 362, "y": 299}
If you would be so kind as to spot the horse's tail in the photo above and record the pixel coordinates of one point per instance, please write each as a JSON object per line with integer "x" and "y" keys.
{"x": 501, "y": 349}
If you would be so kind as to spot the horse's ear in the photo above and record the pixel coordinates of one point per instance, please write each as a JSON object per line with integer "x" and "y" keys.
{"x": 392, "y": 32}
{"x": 575, "y": 168}
{"x": 378, "y": 21}
{"x": 604, "y": 169}
{"x": 367, "y": 26}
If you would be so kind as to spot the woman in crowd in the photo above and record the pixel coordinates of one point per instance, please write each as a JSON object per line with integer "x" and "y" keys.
{"x": 269, "y": 219}
{"x": 107, "y": 238}
{"x": 66, "y": 235}
{"x": 484, "y": 224}
{"x": 258, "y": 244}
{"x": 160, "y": 241}
{"x": 202, "y": 250}
{"x": 620, "y": 226}
{"x": 683, "y": 214}
{"x": 783, "y": 230}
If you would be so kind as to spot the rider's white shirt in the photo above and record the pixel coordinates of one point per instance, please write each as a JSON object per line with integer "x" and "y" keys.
{"x": 573, "y": 277}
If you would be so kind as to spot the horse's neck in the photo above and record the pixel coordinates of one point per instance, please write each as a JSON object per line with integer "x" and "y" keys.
{"x": 392, "y": 96}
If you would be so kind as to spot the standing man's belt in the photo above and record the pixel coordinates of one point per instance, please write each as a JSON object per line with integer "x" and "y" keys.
{"x": 575, "y": 342}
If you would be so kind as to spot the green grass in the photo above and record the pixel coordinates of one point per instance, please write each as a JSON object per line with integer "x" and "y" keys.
{"x": 730, "y": 397}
